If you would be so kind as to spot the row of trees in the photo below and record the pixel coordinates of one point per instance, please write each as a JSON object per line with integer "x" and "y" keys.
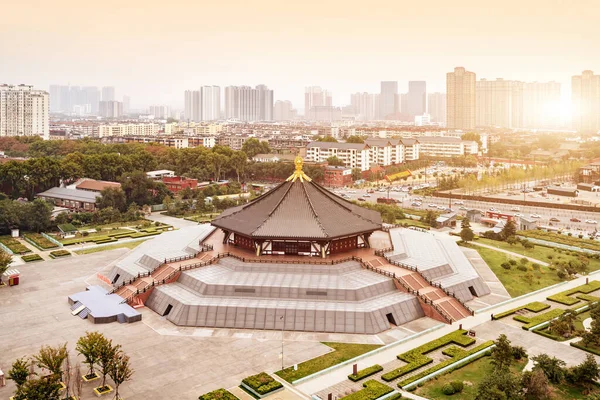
{"x": 502, "y": 384}
{"x": 55, "y": 364}
{"x": 31, "y": 216}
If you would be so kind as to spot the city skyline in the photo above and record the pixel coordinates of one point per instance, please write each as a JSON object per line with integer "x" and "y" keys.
{"x": 527, "y": 41}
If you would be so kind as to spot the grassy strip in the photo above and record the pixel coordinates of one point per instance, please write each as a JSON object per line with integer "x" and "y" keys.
{"x": 582, "y": 347}
{"x": 538, "y": 319}
{"x": 564, "y": 297}
{"x": 128, "y": 245}
{"x": 363, "y": 373}
{"x": 262, "y": 383}
{"x": 372, "y": 391}
{"x": 219, "y": 394}
{"x": 14, "y": 245}
{"x": 535, "y": 306}
{"x": 31, "y": 257}
{"x": 589, "y": 244}
{"x": 456, "y": 353}
{"x": 343, "y": 352}
{"x": 416, "y": 357}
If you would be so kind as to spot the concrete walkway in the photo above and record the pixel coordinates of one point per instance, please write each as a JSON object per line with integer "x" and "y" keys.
{"x": 176, "y": 223}
{"x": 516, "y": 255}
{"x": 335, "y": 375}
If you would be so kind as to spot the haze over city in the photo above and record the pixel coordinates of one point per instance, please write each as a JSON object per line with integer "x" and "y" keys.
{"x": 153, "y": 53}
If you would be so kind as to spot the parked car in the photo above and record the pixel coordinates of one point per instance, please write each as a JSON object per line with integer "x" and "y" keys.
{"x": 459, "y": 202}
{"x": 518, "y": 215}
{"x": 575, "y": 220}
{"x": 367, "y": 195}
{"x": 515, "y": 209}
{"x": 535, "y": 216}
{"x": 361, "y": 199}
{"x": 416, "y": 204}
{"x": 554, "y": 219}
{"x": 431, "y": 205}
{"x": 463, "y": 208}
{"x": 591, "y": 221}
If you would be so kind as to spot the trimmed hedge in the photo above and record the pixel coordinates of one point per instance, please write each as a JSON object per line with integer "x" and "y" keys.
{"x": 416, "y": 357}
{"x": 538, "y": 319}
{"x": 544, "y": 332}
{"x": 535, "y": 306}
{"x": 31, "y": 257}
{"x": 456, "y": 353}
{"x": 363, "y": 373}
{"x": 219, "y": 394}
{"x": 564, "y": 297}
{"x": 59, "y": 253}
{"x": 14, "y": 245}
{"x": 107, "y": 240}
{"x": 582, "y": 347}
{"x": 40, "y": 241}
{"x": 372, "y": 390}
{"x": 262, "y": 383}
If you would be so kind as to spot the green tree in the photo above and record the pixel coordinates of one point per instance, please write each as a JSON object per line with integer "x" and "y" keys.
{"x": 535, "y": 385}
{"x": 5, "y": 260}
{"x": 509, "y": 230}
{"x": 356, "y": 174}
{"x": 40, "y": 389}
{"x": 106, "y": 355}
{"x": 354, "y": 139}
{"x": 552, "y": 367}
{"x": 120, "y": 370}
{"x": 334, "y": 161}
{"x": 501, "y": 385}
{"x": 113, "y": 197}
{"x": 238, "y": 162}
{"x": 52, "y": 358}
{"x": 587, "y": 372}
{"x": 466, "y": 233}
{"x": 328, "y": 138}
{"x": 502, "y": 355}
{"x": 89, "y": 347}
{"x": 253, "y": 146}
{"x": 19, "y": 371}
{"x": 37, "y": 215}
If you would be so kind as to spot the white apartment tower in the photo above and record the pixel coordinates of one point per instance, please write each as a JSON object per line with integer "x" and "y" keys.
{"x": 365, "y": 105}
{"x": 460, "y": 99}
{"x": 314, "y": 96}
{"x": 203, "y": 104}
{"x": 23, "y": 111}
{"x": 586, "y": 101}
{"x": 247, "y": 104}
{"x": 499, "y": 103}
{"x": 436, "y": 107}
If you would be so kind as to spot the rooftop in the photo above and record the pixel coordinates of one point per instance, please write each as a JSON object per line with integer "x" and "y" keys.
{"x": 97, "y": 186}
{"x": 70, "y": 194}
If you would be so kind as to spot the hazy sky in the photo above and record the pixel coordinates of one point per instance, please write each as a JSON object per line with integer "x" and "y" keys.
{"x": 154, "y": 50}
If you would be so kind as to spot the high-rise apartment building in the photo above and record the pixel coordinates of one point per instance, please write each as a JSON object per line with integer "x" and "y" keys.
{"x": 283, "y": 110}
{"x": 541, "y": 105}
{"x": 460, "y": 99}
{"x": 24, "y": 111}
{"x": 365, "y": 105}
{"x": 111, "y": 109}
{"x": 585, "y": 96}
{"x": 388, "y": 99}
{"x": 436, "y": 107}
{"x": 211, "y": 103}
{"x": 192, "y": 105}
{"x": 108, "y": 93}
{"x": 499, "y": 103}
{"x": 74, "y": 99}
{"x": 247, "y": 104}
{"x": 92, "y": 97}
{"x": 160, "y": 111}
{"x": 416, "y": 98}
{"x": 315, "y": 96}
{"x": 126, "y": 104}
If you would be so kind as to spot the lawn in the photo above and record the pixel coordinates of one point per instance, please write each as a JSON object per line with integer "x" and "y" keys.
{"x": 128, "y": 245}
{"x": 92, "y": 237}
{"x": 14, "y": 245}
{"x": 472, "y": 374}
{"x": 343, "y": 352}
{"x": 517, "y": 282}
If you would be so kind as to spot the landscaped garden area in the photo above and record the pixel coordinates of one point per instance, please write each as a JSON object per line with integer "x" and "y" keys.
{"x": 113, "y": 232}
{"x": 561, "y": 238}
{"x": 219, "y": 394}
{"x": 40, "y": 241}
{"x": 59, "y": 253}
{"x": 31, "y": 258}
{"x": 342, "y": 352}
{"x": 14, "y": 245}
{"x": 261, "y": 384}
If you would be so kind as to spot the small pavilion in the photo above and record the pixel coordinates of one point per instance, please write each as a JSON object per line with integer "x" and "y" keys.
{"x": 298, "y": 217}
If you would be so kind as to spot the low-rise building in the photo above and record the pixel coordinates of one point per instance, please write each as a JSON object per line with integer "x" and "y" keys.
{"x": 159, "y": 174}
{"x": 446, "y": 146}
{"x": 177, "y": 183}
{"x": 128, "y": 130}
{"x": 93, "y": 185}
{"x": 337, "y": 176}
{"x": 73, "y": 199}
{"x": 353, "y": 155}
{"x": 273, "y": 157}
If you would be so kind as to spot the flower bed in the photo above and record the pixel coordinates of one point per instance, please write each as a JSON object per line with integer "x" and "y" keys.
{"x": 59, "y": 253}
{"x": 14, "y": 245}
{"x": 535, "y": 306}
{"x": 530, "y": 322}
{"x": 219, "y": 394}
{"x": 40, "y": 241}
{"x": 563, "y": 239}
{"x": 262, "y": 383}
{"x": 416, "y": 357}
{"x": 363, "y": 373}
{"x": 31, "y": 257}
{"x": 564, "y": 297}
{"x": 456, "y": 353}
{"x": 372, "y": 390}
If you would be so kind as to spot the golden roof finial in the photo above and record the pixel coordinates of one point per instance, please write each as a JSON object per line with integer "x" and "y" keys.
{"x": 298, "y": 173}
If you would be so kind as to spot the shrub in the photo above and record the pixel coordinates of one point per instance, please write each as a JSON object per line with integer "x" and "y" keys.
{"x": 550, "y": 256}
{"x": 535, "y": 306}
{"x": 458, "y": 386}
{"x": 448, "y": 389}
{"x": 372, "y": 390}
{"x": 363, "y": 373}
{"x": 512, "y": 262}
{"x": 262, "y": 383}
{"x": 219, "y": 394}
{"x": 519, "y": 352}
{"x": 524, "y": 261}
{"x": 505, "y": 265}
{"x": 31, "y": 257}
{"x": 530, "y": 322}
{"x": 564, "y": 297}
{"x": 522, "y": 268}
{"x": 59, "y": 253}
